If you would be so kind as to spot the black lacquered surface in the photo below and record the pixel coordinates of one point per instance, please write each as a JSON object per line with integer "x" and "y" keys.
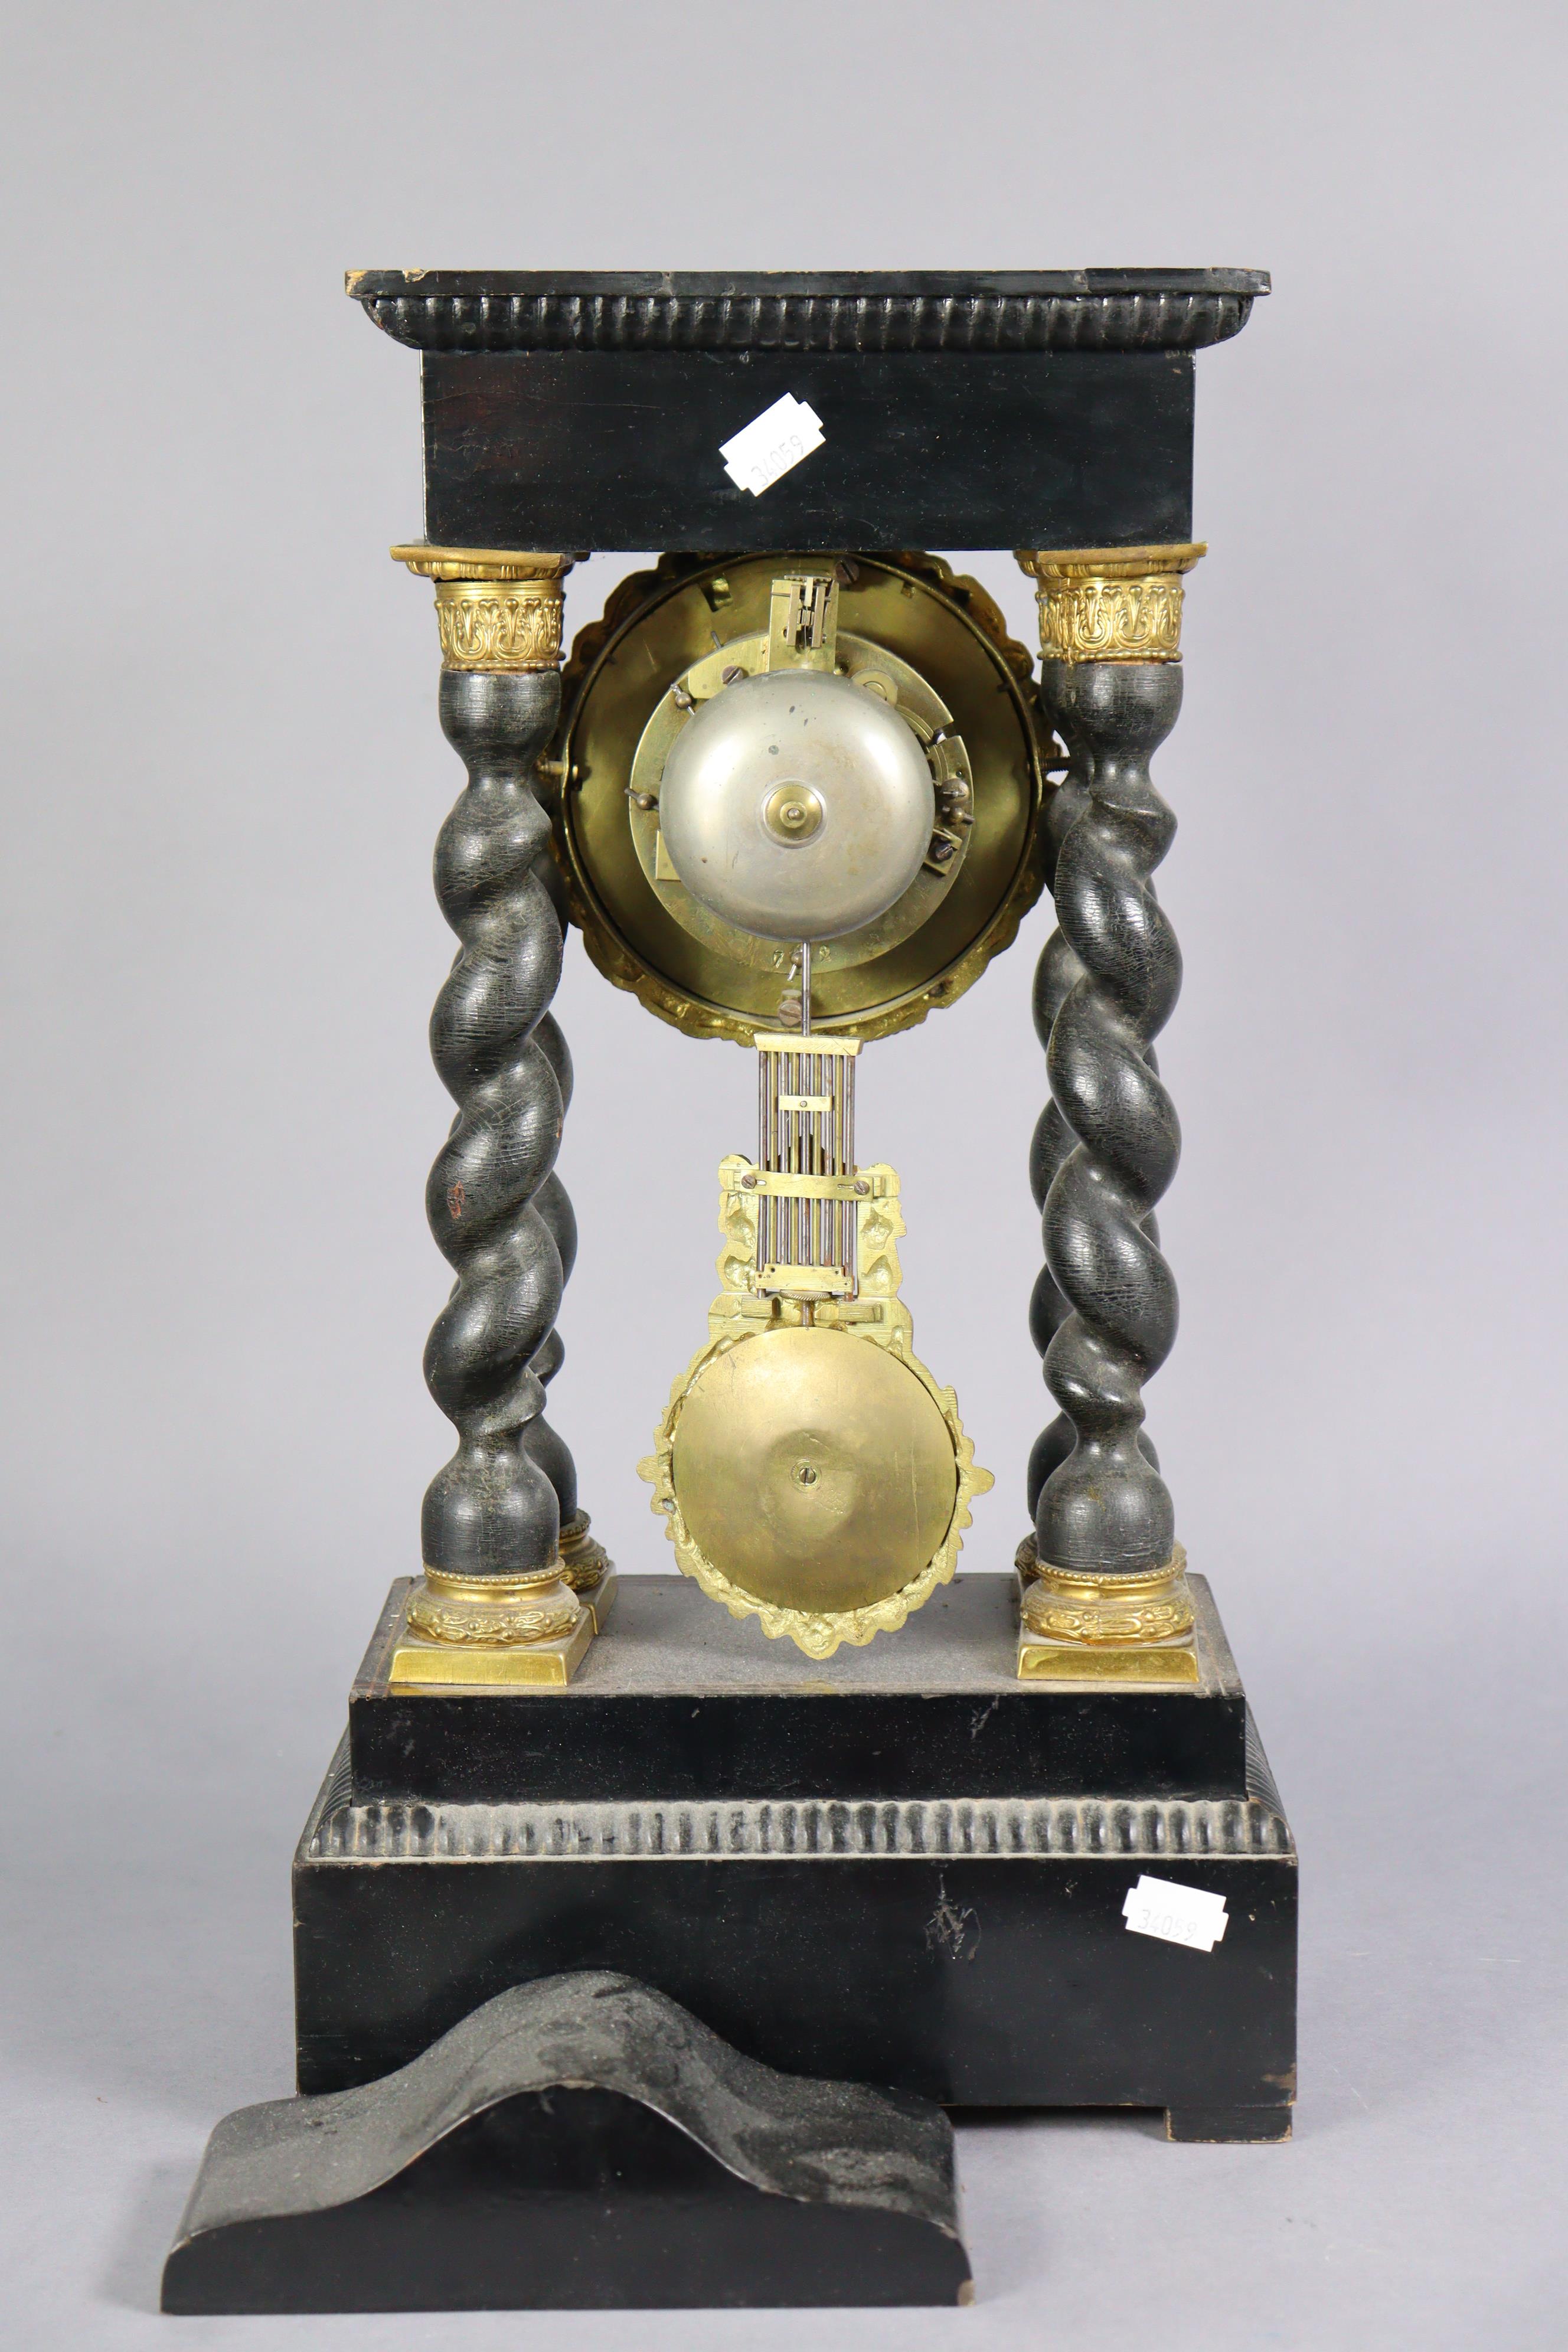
{"x": 621, "y": 449}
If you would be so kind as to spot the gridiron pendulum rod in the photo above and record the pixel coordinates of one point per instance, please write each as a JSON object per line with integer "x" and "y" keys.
{"x": 1108, "y": 1149}
{"x": 836, "y": 1210}
{"x": 805, "y": 1121}
{"x": 802, "y": 1117}
{"x": 821, "y": 1120}
{"x": 765, "y": 1206}
{"x": 491, "y": 1520}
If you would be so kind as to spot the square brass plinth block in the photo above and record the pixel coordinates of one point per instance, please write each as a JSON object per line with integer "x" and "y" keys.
{"x": 1090, "y": 1665}
{"x": 1150, "y": 1665}
{"x": 483, "y": 1665}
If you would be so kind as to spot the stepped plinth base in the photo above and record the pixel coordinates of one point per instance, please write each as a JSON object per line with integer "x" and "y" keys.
{"x": 900, "y": 1865}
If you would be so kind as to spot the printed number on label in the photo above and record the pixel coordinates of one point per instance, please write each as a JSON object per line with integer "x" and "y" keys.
{"x": 1177, "y": 1915}
{"x": 767, "y": 447}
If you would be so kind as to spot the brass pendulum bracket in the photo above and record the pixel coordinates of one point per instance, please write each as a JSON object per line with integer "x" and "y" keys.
{"x": 803, "y": 622}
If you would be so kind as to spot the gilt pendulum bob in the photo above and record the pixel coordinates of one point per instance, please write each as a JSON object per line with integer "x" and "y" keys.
{"x": 799, "y": 825}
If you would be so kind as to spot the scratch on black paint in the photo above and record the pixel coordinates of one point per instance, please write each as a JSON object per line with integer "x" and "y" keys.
{"x": 953, "y": 1929}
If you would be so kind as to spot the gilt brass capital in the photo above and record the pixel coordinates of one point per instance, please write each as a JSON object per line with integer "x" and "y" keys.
{"x": 1110, "y": 604}
{"x": 497, "y": 609}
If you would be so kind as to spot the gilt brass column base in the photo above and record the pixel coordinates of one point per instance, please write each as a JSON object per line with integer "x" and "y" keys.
{"x": 1137, "y": 1633}
{"x": 474, "y": 1665}
{"x": 463, "y": 1633}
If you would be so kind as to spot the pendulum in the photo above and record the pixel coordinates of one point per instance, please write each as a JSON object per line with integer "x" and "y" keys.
{"x": 812, "y": 1472}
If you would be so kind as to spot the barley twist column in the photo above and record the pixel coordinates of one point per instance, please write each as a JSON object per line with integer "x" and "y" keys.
{"x": 584, "y": 1562}
{"x": 1054, "y": 975}
{"x": 493, "y": 1576}
{"x": 1107, "y": 1575}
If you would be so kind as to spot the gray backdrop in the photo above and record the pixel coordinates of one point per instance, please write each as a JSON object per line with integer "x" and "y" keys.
{"x": 223, "y": 783}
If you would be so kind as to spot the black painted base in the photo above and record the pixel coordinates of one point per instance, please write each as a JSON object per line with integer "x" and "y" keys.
{"x": 678, "y": 1702}
{"x": 1215, "y": 2124}
{"x": 578, "y": 2144}
{"x": 899, "y": 1866}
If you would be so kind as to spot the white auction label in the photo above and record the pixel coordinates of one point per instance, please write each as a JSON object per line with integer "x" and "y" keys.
{"x": 771, "y": 444}
{"x": 1181, "y": 1915}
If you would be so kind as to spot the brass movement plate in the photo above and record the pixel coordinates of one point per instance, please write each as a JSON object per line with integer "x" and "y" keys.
{"x": 655, "y": 626}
